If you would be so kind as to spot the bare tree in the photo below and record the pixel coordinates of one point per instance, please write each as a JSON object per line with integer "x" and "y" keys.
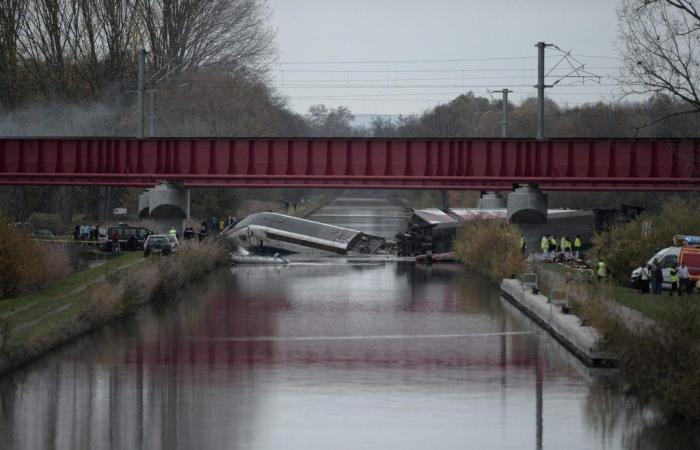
{"x": 330, "y": 122}
{"x": 102, "y": 40}
{"x": 382, "y": 127}
{"x": 191, "y": 34}
{"x": 11, "y": 16}
{"x": 119, "y": 25}
{"x": 44, "y": 44}
{"x": 658, "y": 40}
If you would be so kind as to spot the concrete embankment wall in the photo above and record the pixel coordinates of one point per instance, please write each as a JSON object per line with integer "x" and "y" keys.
{"x": 583, "y": 341}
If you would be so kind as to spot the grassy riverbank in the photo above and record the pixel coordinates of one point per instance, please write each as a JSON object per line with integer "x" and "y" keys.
{"x": 656, "y": 338}
{"x": 651, "y": 306}
{"x": 32, "y": 325}
{"x": 67, "y": 285}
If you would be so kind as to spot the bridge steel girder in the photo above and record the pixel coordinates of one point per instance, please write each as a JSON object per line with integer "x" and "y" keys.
{"x": 376, "y": 163}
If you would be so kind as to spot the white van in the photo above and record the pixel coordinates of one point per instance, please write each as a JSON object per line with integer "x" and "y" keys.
{"x": 666, "y": 258}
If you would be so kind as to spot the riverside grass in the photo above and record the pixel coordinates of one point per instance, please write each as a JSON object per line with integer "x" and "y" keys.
{"x": 118, "y": 295}
{"x": 659, "y": 363}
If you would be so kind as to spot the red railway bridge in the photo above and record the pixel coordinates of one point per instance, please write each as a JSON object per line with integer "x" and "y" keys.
{"x": 376, "y": 163}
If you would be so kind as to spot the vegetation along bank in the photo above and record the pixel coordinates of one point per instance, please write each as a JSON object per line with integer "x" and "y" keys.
{"x": 656, "y": 338}
{"x": 33, "y": 324}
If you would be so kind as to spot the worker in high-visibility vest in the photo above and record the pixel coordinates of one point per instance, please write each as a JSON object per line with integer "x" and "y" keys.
{"x": 544, "y": 246}
{"x": 566, "y": 247}
{"x": 577, "y": 246}
{"x": 674, "y": 278}
{"x": 602, "y": 271}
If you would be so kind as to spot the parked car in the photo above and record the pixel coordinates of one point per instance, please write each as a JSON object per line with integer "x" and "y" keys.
{"x": 44, "y": 234}
{"x": 157, "y": 244}
{"x": 130, "y": 238}
{"x": 23, "y": 226}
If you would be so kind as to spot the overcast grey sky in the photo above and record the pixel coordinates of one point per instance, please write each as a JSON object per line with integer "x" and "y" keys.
{"x": 401, "y": 57}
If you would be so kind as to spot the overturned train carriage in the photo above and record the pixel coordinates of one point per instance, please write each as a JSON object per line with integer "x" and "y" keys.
{"x": 434, "y": 230}
{"x": 266, "y": 233}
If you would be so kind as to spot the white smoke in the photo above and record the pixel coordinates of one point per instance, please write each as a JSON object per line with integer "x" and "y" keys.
{"x": 97, "y": 118}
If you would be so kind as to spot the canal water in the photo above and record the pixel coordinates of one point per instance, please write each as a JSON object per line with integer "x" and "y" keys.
{"x": 378, "y": 215}
{"x": 331, "y": 354}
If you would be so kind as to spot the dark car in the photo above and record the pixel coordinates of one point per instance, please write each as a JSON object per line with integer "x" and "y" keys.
{"x": 130, "y": 238}
{"x": 44, "y": 234}
{"x": 157, "y": 244}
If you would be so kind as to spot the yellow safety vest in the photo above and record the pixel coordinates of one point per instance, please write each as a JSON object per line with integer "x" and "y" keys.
{"x": 674, "y": 275}
{"x": 544, "y": 244}
{"x": 577, "y": 243}
{"x": 602, "y": 270}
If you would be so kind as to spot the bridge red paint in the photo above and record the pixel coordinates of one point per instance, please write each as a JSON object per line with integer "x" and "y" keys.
{"x": 476, "y": 164}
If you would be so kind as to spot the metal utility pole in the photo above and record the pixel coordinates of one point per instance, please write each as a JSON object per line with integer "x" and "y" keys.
{"x": 139, "y": 95}
{"x": 504, "y": 123}
{"x": 445, "y": 200}
{"x": 540, "y": 88}
{"x": 152, "y": 118}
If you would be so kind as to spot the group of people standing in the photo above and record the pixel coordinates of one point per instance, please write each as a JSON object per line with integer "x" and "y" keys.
{"x": 85, "y": 232}
{"x": 564, "y": 247}
{"x": 209, "y": 227}
{"x": 652, "y": 279}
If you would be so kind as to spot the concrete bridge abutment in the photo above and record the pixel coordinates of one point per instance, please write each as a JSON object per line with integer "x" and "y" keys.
{"x": 167, "y": 205}
{"x": 527, "y": 204}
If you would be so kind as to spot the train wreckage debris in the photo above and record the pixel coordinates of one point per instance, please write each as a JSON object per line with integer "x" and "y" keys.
{"x": 270, "y": 233}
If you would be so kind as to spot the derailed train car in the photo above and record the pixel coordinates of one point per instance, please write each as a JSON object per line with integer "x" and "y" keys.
{"x": 433, "y": 230}
{"x": 428, "y": 230}
{"x": 269, "y": 233}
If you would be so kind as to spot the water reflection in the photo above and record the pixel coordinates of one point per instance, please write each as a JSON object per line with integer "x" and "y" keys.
{"x": 610, "y": 408}
{"x": 363, "y": 355}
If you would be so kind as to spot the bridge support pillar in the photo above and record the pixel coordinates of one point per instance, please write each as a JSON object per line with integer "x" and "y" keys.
{"x": 491, "y": 200}
{"x": 444, "y": 200}
{"x": 144, "y": 205}
{"x": 527, "y": 204}
{"x": 167, "y": 205}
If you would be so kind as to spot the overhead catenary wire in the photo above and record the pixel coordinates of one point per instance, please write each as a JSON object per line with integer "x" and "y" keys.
{"x": 432, "y": 100}
{"x": 432, "y": 60}
{"x": 457, "y": 91}
{"x": 391, "y": 85}
{"x": 404, "y": 61}
{"x": 366, "y": 80}
{"x": 423, "y": 86}
{"x": 457, "y": 69}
